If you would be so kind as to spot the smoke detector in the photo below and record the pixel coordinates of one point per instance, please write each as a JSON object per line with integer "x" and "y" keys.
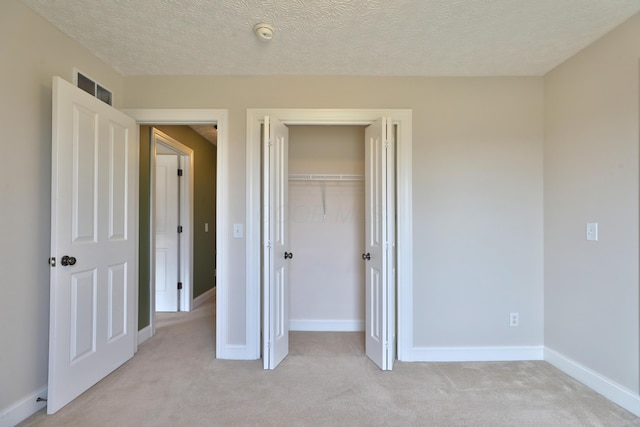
{"x": 263, "y": 31}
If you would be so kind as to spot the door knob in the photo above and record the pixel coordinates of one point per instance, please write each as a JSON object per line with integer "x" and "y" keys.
{"x": 67, "y": 260}
{"x": 366, "y": 256}
{"x": 288, "y": 255}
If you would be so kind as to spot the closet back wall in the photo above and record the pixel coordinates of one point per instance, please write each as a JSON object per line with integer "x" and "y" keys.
{"x": 326, "y": 229}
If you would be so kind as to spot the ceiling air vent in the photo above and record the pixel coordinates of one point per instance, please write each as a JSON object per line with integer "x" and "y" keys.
{"x": 93, "y": 88}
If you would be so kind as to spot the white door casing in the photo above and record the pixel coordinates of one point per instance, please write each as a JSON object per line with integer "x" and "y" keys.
{"x": 94, "y": 201}
{"x": 275, "y": 241}
{"x": 402, "y": 187}
{"x": 379, "y": 220}
{"x": 166, "y": 232}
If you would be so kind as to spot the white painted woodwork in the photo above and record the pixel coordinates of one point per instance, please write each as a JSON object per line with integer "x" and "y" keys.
{"x": 276, "y": 269}
{"x": 94, "y": 219}
{"x": 379, "y": 215}
{"x": 401, "y": 120}
{"x": 167, "y": 246}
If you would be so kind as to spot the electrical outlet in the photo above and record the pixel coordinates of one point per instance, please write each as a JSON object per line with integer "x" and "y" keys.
{"x": 514, "y": 319}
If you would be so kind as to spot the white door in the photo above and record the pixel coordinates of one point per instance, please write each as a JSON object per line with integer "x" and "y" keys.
{"x": 166, "y": 226}
{"x": 275, "y": 241}
{"x": 94, "y": 231}
{"x": 379, "y": 245}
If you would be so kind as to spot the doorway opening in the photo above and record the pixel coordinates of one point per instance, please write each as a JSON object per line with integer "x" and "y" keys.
{"x": 192, "y": 273}
{"x": 209, "y": 248}
{"x": 327, "y": 231}
{"x": 401, "y": 122}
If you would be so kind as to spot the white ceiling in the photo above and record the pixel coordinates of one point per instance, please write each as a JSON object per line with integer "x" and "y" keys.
{"x": 336, "y": 37}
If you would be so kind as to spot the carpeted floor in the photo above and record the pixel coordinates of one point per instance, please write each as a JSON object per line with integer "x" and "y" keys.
{"x": 175, "y": 380}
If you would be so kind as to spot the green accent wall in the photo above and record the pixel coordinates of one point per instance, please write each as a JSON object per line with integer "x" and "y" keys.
{"x": 204, "y": 205}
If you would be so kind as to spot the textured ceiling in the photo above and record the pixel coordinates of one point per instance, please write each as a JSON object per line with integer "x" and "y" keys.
{"x": 336, "y": 37}
{"x": 208, "y": 132}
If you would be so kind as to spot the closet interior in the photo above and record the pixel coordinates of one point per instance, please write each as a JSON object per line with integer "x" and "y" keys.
{"x": 327, "y": 228}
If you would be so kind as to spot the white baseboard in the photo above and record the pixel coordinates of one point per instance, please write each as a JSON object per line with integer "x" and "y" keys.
{"x": 204, "y": 297}
{"x": 473, "y": 354}
{"x": 327, "y": 325}
{"x": 23, "y": 409}
{"x": 613, "y": 391}
{"x": 144, "y": 334}
{"x": 235, "y": 352}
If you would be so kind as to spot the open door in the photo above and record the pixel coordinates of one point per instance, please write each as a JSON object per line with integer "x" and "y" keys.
{"x": 379, "y": 245}
{"x": 167, "y": 221}
{"x": 94, "y": 233}
{"x": 275, "y": 243}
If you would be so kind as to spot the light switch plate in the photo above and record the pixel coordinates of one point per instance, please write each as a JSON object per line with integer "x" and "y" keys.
{"x": 237, "y": 231}
{"x": 592, "y": 231}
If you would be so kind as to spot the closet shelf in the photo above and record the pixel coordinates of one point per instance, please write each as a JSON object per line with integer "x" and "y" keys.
{"x": 325, "y": 177}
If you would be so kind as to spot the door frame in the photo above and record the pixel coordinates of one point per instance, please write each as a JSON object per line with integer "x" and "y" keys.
{"x": 364, "y": 117}
{"x": 161, "y": 116}
{"x": 185, "y": 156}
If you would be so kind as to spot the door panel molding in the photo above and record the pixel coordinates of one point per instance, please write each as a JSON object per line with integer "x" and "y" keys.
{"x": 168, "y": 211}
{"x": 94, "y": 213}
{"x": 276, "y": 267}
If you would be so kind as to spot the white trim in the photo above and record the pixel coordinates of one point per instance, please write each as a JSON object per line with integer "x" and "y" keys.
{"x": 327, "y": 325}
{"x": 474, "y": 354}
{"x": 236, "y": 352}
{"x": 204, "y": 297}
{"x": 404, "y": 236}
{"x": 144, "y": 334}
{"x": 171, "y": 116}
{"x": 324, "y": 177}
{"x": 613, "y": 391}
{"x": 23, "y": 409}
{"x": 224, "y": 350}
{"x": 404, "y": 292}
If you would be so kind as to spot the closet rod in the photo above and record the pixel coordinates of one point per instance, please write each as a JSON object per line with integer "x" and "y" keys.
{"x": 325, "y": 177}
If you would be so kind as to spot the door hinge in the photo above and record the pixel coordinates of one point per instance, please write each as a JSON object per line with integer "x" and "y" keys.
{"x": 179, "y": 172}
{"x": 179, "y": 229}
{"x": 386, "y": 143}
{"x": 269, "y": 345}
{"x": 179, "y": 285}
{"x": 269, "y": 142}
{"x": 52, "y": 261}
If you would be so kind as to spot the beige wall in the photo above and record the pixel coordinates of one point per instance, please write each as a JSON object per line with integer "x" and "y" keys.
{"x": 477, "y": 194}
{"x": 477, "y": 189}
{"x": 591, "y": 175}
{"x": 32, "y": 51}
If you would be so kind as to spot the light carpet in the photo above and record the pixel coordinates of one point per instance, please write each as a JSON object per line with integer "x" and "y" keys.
{"x": 175, "y": 380}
